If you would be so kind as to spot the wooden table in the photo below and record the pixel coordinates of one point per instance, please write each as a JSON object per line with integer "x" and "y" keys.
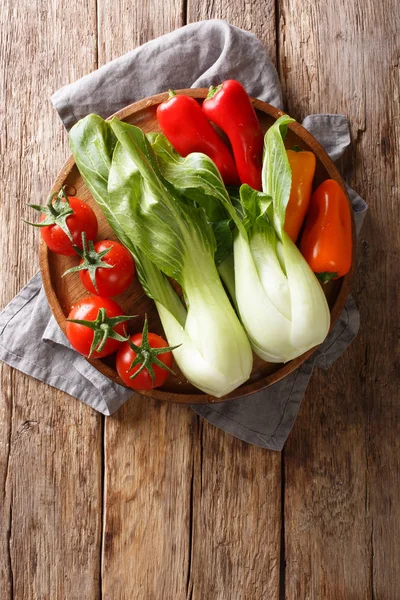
{"x": 154, "y": 503}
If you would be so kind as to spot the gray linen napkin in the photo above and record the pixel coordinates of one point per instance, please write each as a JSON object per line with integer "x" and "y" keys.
{"x": 198, "y": 55}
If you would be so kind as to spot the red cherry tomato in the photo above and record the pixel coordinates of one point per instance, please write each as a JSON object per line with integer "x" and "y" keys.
{"x": 82, "y": 219}
{"x": 111, "y": 282}
{"x": 143, "y": 380}
{"x": 81, "y": 336}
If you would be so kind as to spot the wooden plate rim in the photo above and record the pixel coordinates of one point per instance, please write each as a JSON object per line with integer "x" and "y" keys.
{"x": 286, "y": 369}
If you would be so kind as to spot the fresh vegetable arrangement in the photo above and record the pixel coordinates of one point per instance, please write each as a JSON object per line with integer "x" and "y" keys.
{"x": 167, "y": 234}
{"x": 165, "y": 197}
{"x": 278, "y": 298}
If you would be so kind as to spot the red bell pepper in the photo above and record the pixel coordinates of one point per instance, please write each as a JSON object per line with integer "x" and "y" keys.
{"x": 326, "y": 243}
{"x": 229, "y": 106}
{"x": 187, "y": 128}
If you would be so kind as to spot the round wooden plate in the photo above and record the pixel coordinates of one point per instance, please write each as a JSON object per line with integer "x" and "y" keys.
{"x": 63, "y": 293}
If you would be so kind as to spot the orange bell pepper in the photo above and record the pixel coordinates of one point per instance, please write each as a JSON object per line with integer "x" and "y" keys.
{"x": 302, "y": 164}
{"x": 326, "y": 243}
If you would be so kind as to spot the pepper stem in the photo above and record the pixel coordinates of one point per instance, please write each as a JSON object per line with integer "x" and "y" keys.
{"x": 171, "y": 93}
{"x": 326, "y": 276}
{"x": 213, "y": 90}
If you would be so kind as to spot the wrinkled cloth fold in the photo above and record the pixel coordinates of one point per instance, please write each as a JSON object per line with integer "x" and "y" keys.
{"x": 198, "y": 55}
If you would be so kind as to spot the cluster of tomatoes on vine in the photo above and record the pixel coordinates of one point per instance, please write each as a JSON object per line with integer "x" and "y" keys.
{"x": 96, "y": 324}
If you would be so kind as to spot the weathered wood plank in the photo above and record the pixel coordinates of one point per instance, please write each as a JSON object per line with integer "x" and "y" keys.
{"x": 54, "y": 485}
{"x": 236, "y": 518}
{"x": 6, "y": 574}
{"x": 148, "y": 445}
{"x": 149, "y": 465}
{"x": 124, "y": 25}
{"x": 50, "y": 461}
{"x": 342, "y": 461}
{"x": 327, "y": 529}
{"x": 257, "y": 17}
{"x": 203, "y": 556}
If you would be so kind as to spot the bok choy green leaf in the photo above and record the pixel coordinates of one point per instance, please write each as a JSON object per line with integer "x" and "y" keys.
{"x": 92, "y": 143}
{"x": 198, "y": 180}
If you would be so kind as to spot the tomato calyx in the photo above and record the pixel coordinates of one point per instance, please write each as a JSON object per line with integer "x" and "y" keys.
{"x": 146, "y": 355}
{"x": 103, "y": 328}
{"x": 92, "y": 260}
{"x": 56, "y": 212}
{"x": 326, "y": 276}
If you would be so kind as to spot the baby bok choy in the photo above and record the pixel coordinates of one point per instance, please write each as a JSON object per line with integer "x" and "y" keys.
{"x": 279, "y": 299}
{"x": 167, "y": 237}
{"x": 286, "y": 312}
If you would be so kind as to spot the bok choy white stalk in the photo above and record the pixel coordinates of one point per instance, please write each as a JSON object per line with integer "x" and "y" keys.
{"x": 167, "y": 236}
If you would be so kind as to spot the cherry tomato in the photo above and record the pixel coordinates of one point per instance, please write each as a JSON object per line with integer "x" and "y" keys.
{"x": 102, "y": 316}
{"x": 110, "y": 282}
{"x": 82, "y": 219}
{"x": 126, "y": 355}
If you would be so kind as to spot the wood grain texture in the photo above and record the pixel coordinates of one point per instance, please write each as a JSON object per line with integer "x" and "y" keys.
{"x": 252, "y": 15}
{"x": 189, "y": 511}
{"x": 236, "y": 519}
{"x": 342, "y": 491}
{"x": 50, "y": 463}
{"x": 183, "y": 523}
{"x": 236, "y": 511}
{"x": 148, "y": 446}
{"x": 124, "y": 25}
{"x": 149, "y": 470}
